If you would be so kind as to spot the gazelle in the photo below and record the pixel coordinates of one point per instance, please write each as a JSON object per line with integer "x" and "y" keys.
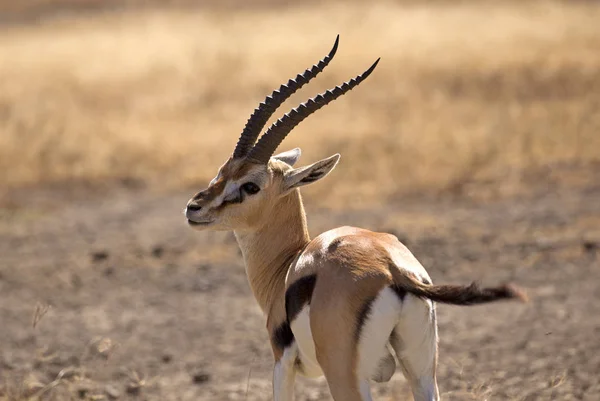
{"x": 341, "y": 304}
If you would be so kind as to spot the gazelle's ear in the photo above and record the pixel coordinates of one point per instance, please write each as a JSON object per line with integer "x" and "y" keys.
{"x": 290, "y": 157}
{"x": 306, "y": 175}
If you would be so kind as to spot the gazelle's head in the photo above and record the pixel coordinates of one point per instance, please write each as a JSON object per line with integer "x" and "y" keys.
{"x": 253, "y": 180}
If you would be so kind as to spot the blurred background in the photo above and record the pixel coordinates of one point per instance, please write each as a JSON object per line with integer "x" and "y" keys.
{"x": 476, "y": 141}
{"x": 490, "y": 95}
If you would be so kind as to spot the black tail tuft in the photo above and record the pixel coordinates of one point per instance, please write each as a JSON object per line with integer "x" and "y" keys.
{"x": 468, "y": 295}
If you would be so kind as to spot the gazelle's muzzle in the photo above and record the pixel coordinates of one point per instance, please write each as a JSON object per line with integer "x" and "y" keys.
{"x": 195, "y": 212}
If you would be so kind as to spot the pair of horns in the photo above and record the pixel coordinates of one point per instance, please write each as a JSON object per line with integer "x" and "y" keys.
{"x": 268, "y": 143}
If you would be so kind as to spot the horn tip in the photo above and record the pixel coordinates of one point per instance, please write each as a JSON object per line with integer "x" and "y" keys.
{"x": 371, "y": 68}
{"x": 335, "y": 46}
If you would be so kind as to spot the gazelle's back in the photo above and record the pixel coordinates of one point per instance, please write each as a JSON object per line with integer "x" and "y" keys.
{"x": 351, "y": 253}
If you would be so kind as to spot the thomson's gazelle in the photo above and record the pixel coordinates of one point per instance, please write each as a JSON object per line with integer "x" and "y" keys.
{"x": 338, "y": 305}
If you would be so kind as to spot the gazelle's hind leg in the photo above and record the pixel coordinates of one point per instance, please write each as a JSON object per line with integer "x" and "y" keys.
{"x": 352, "y": 351}
{"x": 336, "y": 356}
{"x": 415, "y": 342}
{"x": 284, "y": 374}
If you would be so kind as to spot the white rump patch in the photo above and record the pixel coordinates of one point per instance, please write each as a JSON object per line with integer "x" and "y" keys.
{"x": 375, "y": 333}
{"x": 306, "y": 346}
{"x": 417, "y": 338}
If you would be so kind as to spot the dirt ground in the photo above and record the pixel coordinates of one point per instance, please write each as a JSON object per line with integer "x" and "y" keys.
{"x": 144, "y": 308}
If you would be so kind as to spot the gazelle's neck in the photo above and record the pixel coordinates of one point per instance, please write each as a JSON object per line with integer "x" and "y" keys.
{"x": 269, "y": 250}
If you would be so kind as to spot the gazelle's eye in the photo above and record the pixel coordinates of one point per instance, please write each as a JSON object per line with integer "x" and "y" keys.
{"x": 250, "y": 188}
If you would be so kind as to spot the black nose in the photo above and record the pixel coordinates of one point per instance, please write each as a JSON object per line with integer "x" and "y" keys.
{"x": 193, "y": 207}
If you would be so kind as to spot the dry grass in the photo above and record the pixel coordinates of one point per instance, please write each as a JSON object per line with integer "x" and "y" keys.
{"x": 465, "y": 93}
{"x": 71, "y": 382}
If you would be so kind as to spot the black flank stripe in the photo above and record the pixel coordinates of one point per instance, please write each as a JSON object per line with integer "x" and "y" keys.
{"x": 363, "y": 314}
{"x": 283, "y": 336}
{"x": 298, "y": 295}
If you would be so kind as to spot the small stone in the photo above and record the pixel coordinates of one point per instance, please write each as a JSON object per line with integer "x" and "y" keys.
{"x": 99, "y": 256}
{"x": 82, "y": 392}
{"x": 200, "y": 377}
{"x": 112, "y": 392}
{"x": 158, "y": 251}
{"x": 133, "y": 388}
{"x": 76, "y": 281}
{"x": 589, "y": 246}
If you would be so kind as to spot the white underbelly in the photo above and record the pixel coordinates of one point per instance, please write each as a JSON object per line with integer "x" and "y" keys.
{"x": 306, "y": 346}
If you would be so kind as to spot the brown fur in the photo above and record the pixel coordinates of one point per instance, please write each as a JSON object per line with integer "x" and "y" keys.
{"x": 268, "y": 258}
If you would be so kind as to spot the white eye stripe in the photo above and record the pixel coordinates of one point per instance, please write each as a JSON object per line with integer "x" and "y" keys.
{"x": 233, "y": 195}
{"x": 231, "y": 191}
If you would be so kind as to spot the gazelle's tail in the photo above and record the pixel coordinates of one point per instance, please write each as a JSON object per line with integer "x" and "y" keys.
{"x": 456, "y": 294}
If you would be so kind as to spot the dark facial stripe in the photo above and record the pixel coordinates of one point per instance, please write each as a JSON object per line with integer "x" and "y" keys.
{"x": 298, "y": 295}
{"x": 283, "y": 336}
{"x": 211, "y": 192}
{"x": 362, "y": 317}
{"x": 238, "y": 199}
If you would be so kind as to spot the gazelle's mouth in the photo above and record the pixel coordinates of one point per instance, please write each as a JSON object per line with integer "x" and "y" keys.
{"x": 199, "y": 223}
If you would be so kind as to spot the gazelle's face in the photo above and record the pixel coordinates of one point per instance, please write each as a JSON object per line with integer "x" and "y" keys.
{"x": 243, "y": 194}
{"x": 236, "y": 198}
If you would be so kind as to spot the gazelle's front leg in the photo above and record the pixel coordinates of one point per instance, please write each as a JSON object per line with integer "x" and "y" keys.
{"x": 284, "y": 375}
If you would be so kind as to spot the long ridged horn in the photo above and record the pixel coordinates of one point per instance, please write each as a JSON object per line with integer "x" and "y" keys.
{"x": 265, "y": 110}
{"x": 268, "y": 143}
